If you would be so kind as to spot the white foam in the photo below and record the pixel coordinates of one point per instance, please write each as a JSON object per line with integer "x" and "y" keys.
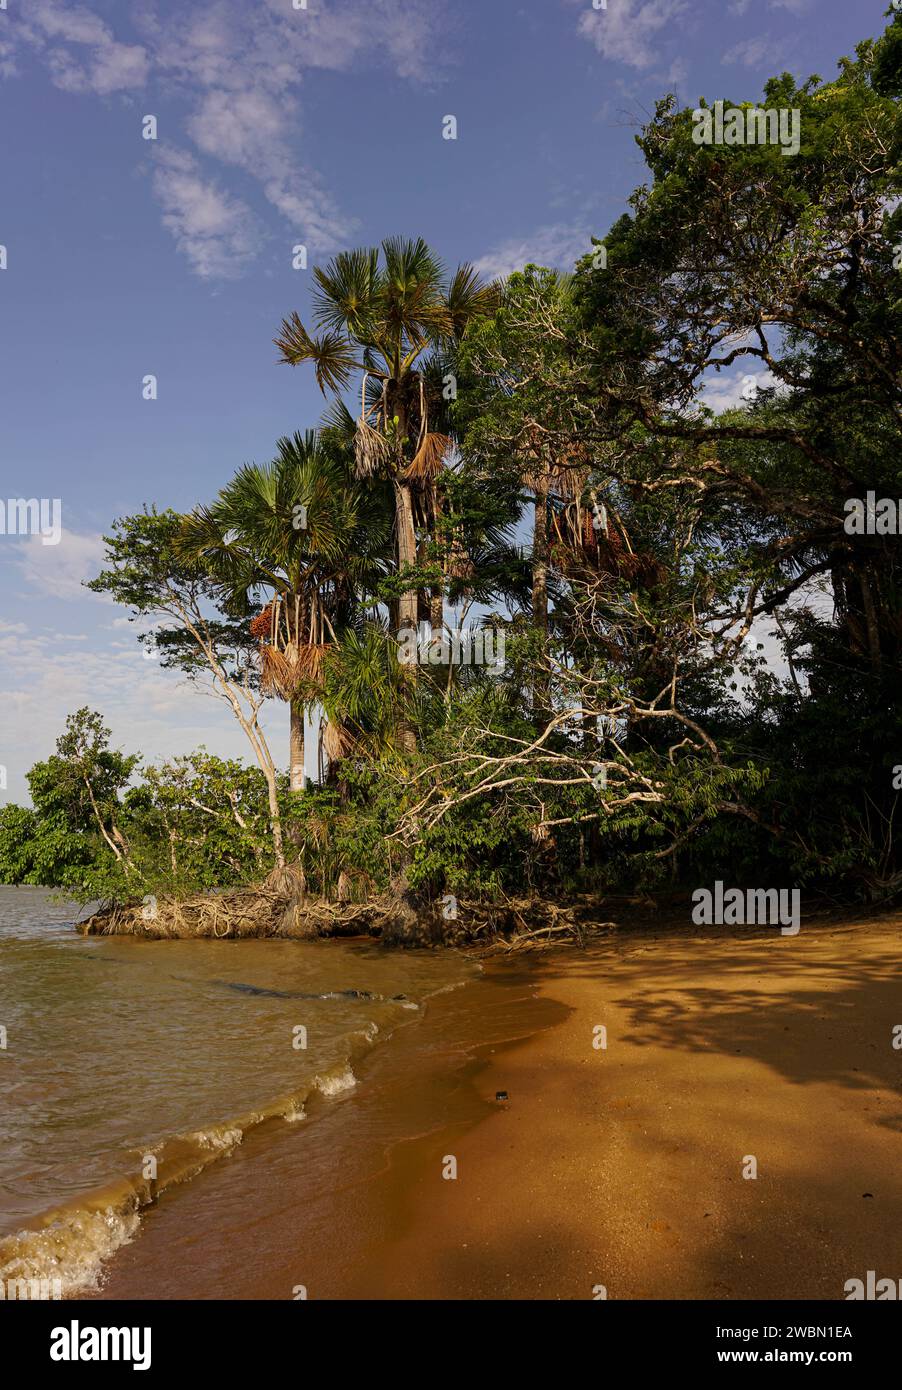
{"x": 72, "y": 1249}
{"x": 332, "y": 1084}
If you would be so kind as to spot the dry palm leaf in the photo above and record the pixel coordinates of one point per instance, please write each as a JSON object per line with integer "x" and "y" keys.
{"x": 428, "y": 460}
{"x": 371, "y": 449}
{"x": 338, "y": 741}
{"x": 293, "y": 669}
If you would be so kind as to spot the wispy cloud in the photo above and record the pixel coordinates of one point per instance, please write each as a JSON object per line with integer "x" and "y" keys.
{"x": 627, "y": 31}
{"x": 240, "y": 70}
{"x": 247, "y": 128}
{"x": 559, "y": 246}
{"x": 59, "y": 571}
{"x": 217, "y": 232}
{"x": 92, "y": 60}
{"x": 756, "y": 52}
{"x": 794, "y": 6}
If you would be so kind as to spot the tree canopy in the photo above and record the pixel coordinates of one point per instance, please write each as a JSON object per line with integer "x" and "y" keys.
{"x": 667, "y": 483}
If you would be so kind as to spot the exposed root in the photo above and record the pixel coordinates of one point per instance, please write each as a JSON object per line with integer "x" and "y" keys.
{"x": 280, "y": 908}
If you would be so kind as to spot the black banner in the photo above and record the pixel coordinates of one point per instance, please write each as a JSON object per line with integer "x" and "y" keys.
{"x": 234, "y": 1338}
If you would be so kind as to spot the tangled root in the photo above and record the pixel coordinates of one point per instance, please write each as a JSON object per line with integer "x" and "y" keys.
{"x": 280, "y": 908}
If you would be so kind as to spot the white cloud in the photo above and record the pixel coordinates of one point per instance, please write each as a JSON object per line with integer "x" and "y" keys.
{"x": 722, "y": 392}
{"x": 628, "y": 31}
{"x": 59, "y": 571}
{"x": 217, "y": 232}
{"x": 756, "y": 52}
{"x": 247, "y": 128}
{"x": 148, "y": 709}
{"x": 409, "y": 30}
{"x": 8, "y": 66}
{"x": 72, "y": 22}
{"x": 240, "y": 67}
{"x": 559, "y": 246}
{"x": 97, "y": 62}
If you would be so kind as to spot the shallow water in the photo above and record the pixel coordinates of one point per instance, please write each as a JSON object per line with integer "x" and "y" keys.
{"x": 132, "y": 1065}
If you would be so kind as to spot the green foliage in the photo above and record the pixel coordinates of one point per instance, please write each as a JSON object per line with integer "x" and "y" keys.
{"x": 702, "y": 664}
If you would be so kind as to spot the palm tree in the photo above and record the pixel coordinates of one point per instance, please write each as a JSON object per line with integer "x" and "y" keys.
{"x": 297, "y": 533}
{"x": 393, "y": 322}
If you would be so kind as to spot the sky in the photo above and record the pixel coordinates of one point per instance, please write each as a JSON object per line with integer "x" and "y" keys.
{"x": 278, "y": 124}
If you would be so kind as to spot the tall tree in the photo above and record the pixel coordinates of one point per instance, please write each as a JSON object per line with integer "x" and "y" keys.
{"x": 296, "y": 534}
{"x": 391, "y": 320}
{"x": 147, "y": 573}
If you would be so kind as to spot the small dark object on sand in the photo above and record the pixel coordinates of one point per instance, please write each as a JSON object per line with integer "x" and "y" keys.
{"x": 502, "y": 1095}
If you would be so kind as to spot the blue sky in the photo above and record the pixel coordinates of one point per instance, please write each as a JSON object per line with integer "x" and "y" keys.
{"x": 277, "y": 126}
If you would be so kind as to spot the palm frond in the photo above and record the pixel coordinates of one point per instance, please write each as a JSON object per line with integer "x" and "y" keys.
{"x": 428, "y": 460}
{"x": 348, "y": 288}
{"x": 371, "y": 450}
{"x": 332, "y": 355}
{"x": 340, "y": 422}
{"x": 338, "y": 741}
{"x": 470, "y": 297}
{"x": 292, "y": 671}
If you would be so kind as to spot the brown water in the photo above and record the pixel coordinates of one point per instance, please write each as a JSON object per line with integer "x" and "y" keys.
{"x": 131, "y": 1066}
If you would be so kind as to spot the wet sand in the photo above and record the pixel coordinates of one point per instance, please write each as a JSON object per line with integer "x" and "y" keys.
{"x": 619, "y": 1167}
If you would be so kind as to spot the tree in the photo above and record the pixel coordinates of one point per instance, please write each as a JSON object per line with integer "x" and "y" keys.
{"x": 148, "y": 574}
{"x": 76, "y": 827}
{"x": 391, "y": 321}
{"x": 740, "y": 257}
{"x": 517, "y": 417}
{"x": 299, "y": 533}
{"x": 85, "y": 770}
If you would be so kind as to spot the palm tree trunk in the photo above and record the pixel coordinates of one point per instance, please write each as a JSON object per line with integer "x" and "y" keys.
{"x": 408, "y": 603}
{"x": 436, "y": 597}
{"x": 407, "y": 553}
{"x": 297, "y": 746}
{"x": 540, "y": 587}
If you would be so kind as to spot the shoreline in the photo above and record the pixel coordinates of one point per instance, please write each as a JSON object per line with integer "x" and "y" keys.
{"x": 307, "y": 1204}
{"x": 619, "y": 1168}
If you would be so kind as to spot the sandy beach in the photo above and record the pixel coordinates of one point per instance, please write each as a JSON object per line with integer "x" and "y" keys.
{"x": 618, "y": 1167}
{"x": 624, "y": 1167}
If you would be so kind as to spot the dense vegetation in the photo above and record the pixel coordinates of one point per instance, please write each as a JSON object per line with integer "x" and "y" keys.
{"x": 701, "y": 661}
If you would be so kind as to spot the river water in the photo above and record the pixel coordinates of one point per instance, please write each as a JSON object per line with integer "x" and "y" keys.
{"x": 129, "y": 1067}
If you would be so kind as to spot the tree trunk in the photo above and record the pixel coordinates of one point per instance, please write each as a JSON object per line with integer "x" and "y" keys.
{"x": 436, "y": 611}
{"x": 540, "y": 587}
{"x": 298, "y": 782}
{"x": 407, "y": 553}
{"x": 408, "y": 603}
{"x": 275, "y": 819}
{"x": 540, "y": 559}
{"x": 436, "y": 597}
{"x": 870, "y": 617}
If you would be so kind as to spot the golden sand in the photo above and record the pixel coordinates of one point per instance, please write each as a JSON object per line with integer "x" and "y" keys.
{"x": 619, "y": 1167}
